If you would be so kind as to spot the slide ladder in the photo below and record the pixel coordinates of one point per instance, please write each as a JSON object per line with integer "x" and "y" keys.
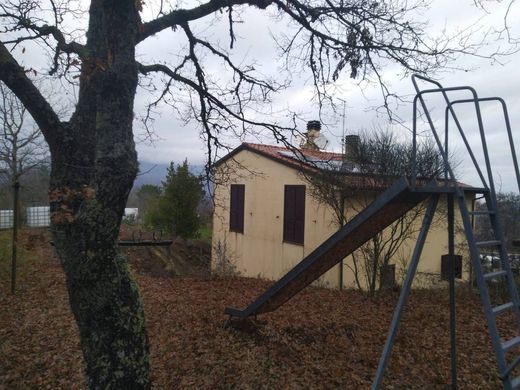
{"x": 506, "y": 348}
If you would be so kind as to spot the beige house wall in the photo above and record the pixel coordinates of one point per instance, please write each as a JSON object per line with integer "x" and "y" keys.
{"x": 260, "y": 251}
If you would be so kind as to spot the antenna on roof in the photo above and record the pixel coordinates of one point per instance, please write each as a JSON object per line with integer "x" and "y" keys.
{"x": 321, "y": 142}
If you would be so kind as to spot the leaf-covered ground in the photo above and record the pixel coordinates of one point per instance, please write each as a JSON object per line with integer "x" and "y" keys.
{"x": 320, "y": 339}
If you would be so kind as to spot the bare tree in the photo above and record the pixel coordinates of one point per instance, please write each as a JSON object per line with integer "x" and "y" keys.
{"x": 93, "y": 155}
{"x": 372, "y": 163}
{"x": 21, "y": 149}
{"x": 509, "y": 211}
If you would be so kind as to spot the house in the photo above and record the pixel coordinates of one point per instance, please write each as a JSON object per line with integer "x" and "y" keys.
{"x": 267, "y": 216}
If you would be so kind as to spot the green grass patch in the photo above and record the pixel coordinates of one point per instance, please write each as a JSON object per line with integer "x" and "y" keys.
{"x": 205, "y": 233}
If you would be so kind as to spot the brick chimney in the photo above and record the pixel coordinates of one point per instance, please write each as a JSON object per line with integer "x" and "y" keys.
{"x": 351, "y": 152}
{"x": 351, "y": 149}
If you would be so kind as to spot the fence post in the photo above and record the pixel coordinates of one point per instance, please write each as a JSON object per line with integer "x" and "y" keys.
{"x": 16, "y": 188}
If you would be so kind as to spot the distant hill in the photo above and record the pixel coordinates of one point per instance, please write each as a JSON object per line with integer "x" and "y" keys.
{"x": 152, "y": 173}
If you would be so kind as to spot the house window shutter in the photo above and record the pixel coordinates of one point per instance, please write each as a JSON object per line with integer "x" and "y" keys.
{"x": 236, "y": 208}
{"x": 294, "y": 214}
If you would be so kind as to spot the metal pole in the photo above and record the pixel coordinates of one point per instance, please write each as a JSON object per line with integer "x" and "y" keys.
{"x": 383, "y": 361}
{"x": 451, "y": 257}
{"x": 414, "y": 145}
{"x": 16, "y": 187}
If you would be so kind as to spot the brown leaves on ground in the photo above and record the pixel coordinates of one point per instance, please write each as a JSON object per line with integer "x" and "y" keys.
{"x": 320, "y": 339}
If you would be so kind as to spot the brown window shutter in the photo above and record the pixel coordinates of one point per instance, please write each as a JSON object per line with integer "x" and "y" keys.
{"x": 294, "y": 214}
{"x": 236, "y": 208}
{"x": 240, "y": 211}
{"x": 288, "y": 214}
{"x": 299, "y": 215}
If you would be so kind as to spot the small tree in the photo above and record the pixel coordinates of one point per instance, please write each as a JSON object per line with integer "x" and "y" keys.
{"x": 373, "y": 164}
{"x": 21, "y": 149}
{"x": 509, "y": 211}
{"x": 176, "y": 210}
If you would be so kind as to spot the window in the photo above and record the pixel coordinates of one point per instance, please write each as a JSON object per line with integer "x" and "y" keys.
{"x": 294, "y": 214}
{"x": 236, "y": 215}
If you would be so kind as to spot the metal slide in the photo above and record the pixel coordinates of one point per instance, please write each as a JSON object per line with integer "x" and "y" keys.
{"x": 387, "y": 208}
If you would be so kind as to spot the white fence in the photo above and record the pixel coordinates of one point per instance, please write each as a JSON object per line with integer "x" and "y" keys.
{"x": 38, "y": 216}
{"x": 6, "y": 219}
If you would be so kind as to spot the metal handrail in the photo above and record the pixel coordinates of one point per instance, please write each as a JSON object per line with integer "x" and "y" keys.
{"x": 419, "y": 96}
{"x": 508, "y": 129}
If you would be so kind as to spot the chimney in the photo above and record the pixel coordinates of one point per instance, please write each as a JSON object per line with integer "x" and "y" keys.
{"x": 351, "y": 153}
{"x": 313, "y": 132}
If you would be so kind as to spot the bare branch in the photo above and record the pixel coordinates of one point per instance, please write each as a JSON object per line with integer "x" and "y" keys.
{"x": 183, "y": 16}
{"x": 13, "y": 75}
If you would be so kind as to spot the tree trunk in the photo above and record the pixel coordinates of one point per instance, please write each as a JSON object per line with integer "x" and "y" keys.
{"x": 103, "y": 297}
{"x": 94, "y": 165}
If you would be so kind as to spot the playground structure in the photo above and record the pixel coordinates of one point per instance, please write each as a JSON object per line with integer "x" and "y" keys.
{"x": 402, "y": 196}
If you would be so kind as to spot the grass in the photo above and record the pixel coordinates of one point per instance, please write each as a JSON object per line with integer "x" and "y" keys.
{"x": 205, "y": 233}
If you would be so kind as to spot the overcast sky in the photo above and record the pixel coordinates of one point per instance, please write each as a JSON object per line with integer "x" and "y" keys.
{"x": 176, "y": 140}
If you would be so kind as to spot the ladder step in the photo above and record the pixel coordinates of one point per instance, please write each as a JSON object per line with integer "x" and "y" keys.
{"x": 505, "y": 375}
{"x": 489, "y": 243}
{"x": 507, "y": 345}
{"x": 499, "y": 309}
{"x": 496, "y": 274}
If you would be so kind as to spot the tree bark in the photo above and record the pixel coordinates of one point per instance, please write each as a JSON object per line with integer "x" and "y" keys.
{"x": 94, "y": 164}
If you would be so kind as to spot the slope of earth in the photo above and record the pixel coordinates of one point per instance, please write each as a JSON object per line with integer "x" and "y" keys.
{"x": 182, "y": 258}
{"x": 320, "y": 339}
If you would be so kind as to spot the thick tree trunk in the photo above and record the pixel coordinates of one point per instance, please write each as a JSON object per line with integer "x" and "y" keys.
{"x": 93, "y": 168}
{"x": 103, "y": 297}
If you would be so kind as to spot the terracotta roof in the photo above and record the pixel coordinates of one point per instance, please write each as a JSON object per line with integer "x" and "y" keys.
{"x": 311, "y": 161}
{"x": 274, "y": 150}
{"x": 299, "y": 158}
